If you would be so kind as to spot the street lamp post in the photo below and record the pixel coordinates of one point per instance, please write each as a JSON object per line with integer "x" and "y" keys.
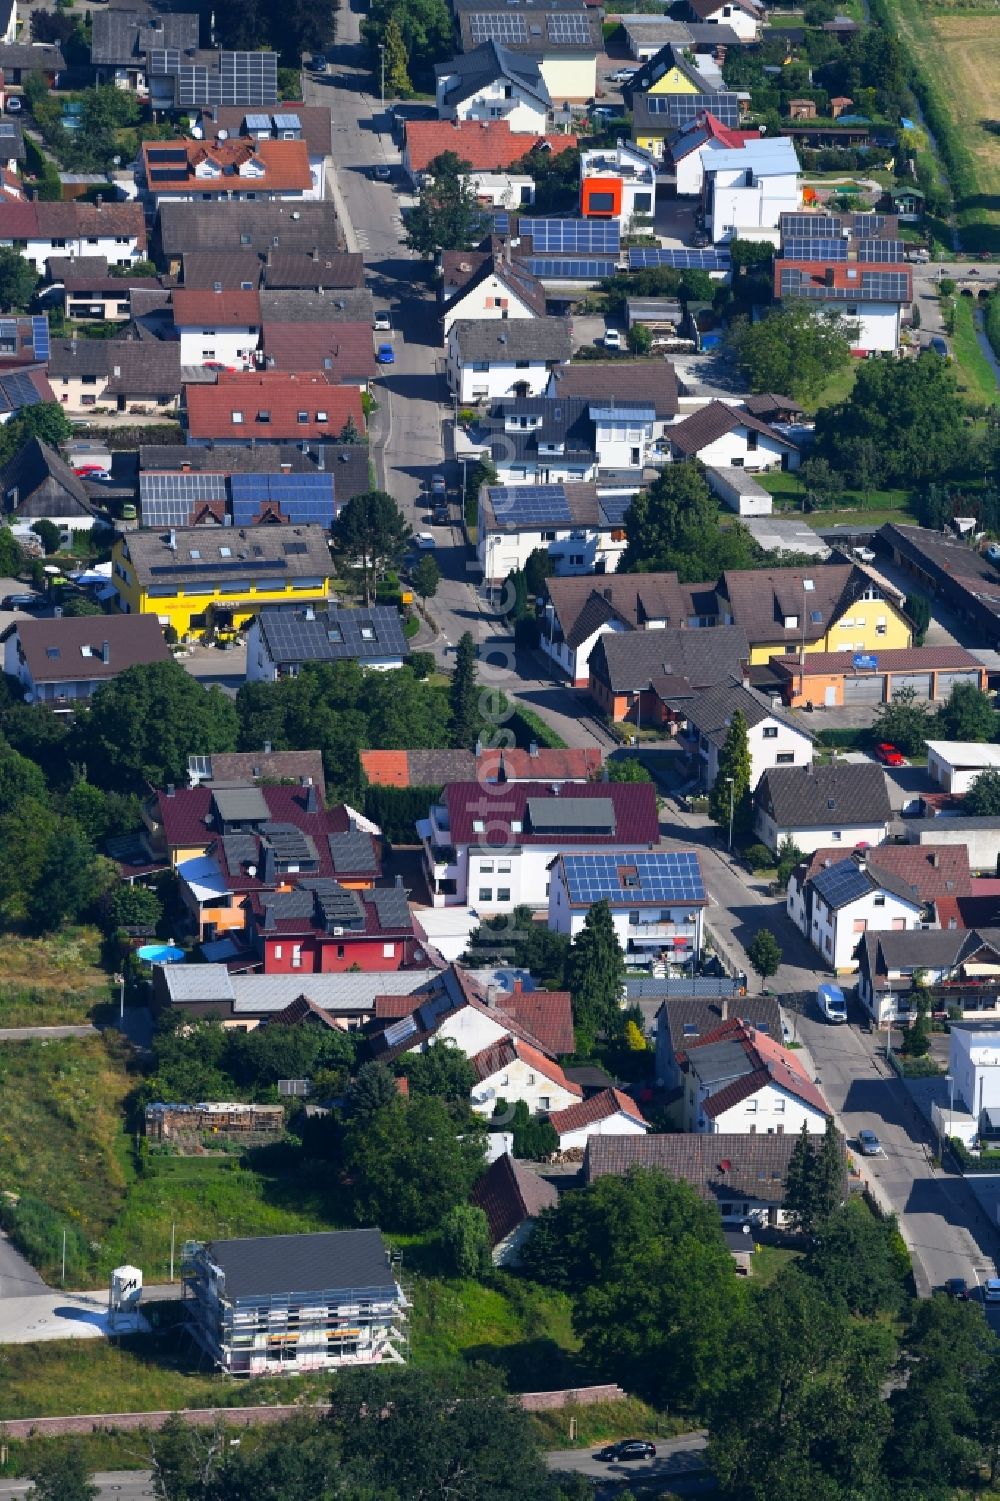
{"x": 808, "y": 585}
{"x": 730, "y": 781}
{"x": 381, "y": 54}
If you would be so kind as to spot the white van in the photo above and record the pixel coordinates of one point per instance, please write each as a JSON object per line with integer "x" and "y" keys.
{"x": 831, "y": 1003}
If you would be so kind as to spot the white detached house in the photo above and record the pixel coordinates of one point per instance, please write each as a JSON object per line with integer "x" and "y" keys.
{"x": 514, "y": 1071}
{"x": 609, "y": 1113}
{"x": 493, "y": 83}
{"x": 774, "y": 738}
{"x": 736, "y": 1080}
{"x": 724, "y": 437}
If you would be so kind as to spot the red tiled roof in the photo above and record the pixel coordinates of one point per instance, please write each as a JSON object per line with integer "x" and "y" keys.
{"x": 600, "y": 1107}
{"x": 18, "y": 218}
{"x": 506, "y": 1050}
{"x": 546, "y": 765}
{"x": 306, "y": 346}
{"x": 488, "y": 147}
{"x": 224, "y": 309}
{"x": 545, "y": 1014}
{"x": 285, "y": 166}
{"x": 814, "y": 274}
{"x": 395, "y": 1007}
{"x": 385, "y": 768}
{"x": 770, "y": 1064}
{"x": 933, "y": 870}
{"x": 500, "y": 805}
{"x": 509, "y": 1193}
{"x": 903, "y": 659}
{"x": 283, "y": 395}
{"x": 732, "y": 139}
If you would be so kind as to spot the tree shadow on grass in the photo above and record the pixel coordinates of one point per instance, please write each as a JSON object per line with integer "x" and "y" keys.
{"x": 533, "y": 1365}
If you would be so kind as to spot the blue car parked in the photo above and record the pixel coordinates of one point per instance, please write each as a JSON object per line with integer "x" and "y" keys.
{"x": 386, "y": 354}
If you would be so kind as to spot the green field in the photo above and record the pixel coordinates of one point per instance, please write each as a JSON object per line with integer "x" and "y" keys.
{"x": 53, "y": 981}
{"x": 976, "y": 381}
{"x": 879, "y": 507}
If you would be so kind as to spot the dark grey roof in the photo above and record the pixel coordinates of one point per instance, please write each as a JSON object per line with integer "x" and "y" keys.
{"x": 667, "y": 988}
{"x": 45, "y": 484}
{"x": 484, "y": 65}
{"x": 947, "y": 824}
{"x": 617, "y": 382}
{"x": 299, "y": 224}
{"x": 253, "y": 555}
{"x": 517, "y": 339}
{"x": 391, "y": 905}
{"x": 151, "y": 369}
{"x": 669, "y": 56}
{"x": 540, "y": 32}
{"x": 78, "y": 357}
{"x": 11, "y": 139}
{"x": 564, "y": 422}
{"x": 710, "y": 710}
{"x": 36, "y": 56}
{"x": 346, "y": 305}
{"x": 919, "y": 948}
{"x": 329, "y": 1261}
{"x": 803, "y": 797}
{"x": 677, "y": 659}
{"x": 241, "y": 804}
{"x": 301, "y": 270}
{"x": 125, "y": 36}
{"x": 347, "y": 462}
{"x": 203, "y": 268}
{"x": 689, "y": 1017}
{"x": 352, "y": 850}
{"x": 336, "y": 635}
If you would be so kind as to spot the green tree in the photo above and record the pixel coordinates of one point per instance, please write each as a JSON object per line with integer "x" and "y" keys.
{"x": 371, "y": 527}
{"x": 904, "y": 416}
{"x": 539, "y": 567}
{"x": 800, "y": 1184}
{"x": 18, "y": 280}
{"x": 626, "y": 769}
{"x": 829, "y": 1181}
{"x": 789, "y": 856}
{"x": 411, "y": 1162}
{"x": 466, "y": 718}
{"x": 465, "y": 1242}
{"x": 46, "y": 421}
{"x": 185, "y": 1460}
{"x": 968, "y": 714}
{"x": 515, "y": 938}
{"x": 60, "y": 1475}
{"x": 535, "y": 1137}
{"x": 640, "y": 339}
{"x": 657, "y": 1301}
{"x": 20, "y": 779}
{"x": 49, "y": 534}
{"x": 133, "y": 907}
{"x": 764, "y": 954}
{"x": 26, "y": 837}
{"x": 11, "y": 556}
{"x": 596, "y": 975}
{"x": 66, "y": 880}
{"x": 142, "y": 726}
{"x": 916, "y": 1038}
{"x": 821, "y": 484}
{"x": 858, "y": 1259}
{"x": 904, "y": 721}
{"x": 447, "y": 216}
{"x": 918, "y": 608}
{"x": 443, "y": 1071}
{"x": 426, "y": 576}
{"x": 674, "y": 525}
{"x": 735, "y": 772}
{"x": 983, "y": 797}
{"x": 372, "y": 1088}
{"x": 78, "y": 605}
{"x": 794, "y": 349}
{"x": 397, "y": 79}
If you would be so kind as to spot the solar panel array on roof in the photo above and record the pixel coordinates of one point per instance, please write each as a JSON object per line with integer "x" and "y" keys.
{"x": 810, "y": 226}
{"x": 258, "y": 122}
{"x": 164, "y": 61}
{"x": 842, "y": 883}
{"x": 243, "y": 78}
{"x": 562, "y": 236}
{"x": 18, "y": 391}
{"x": 340, "y": 908}
{"x": 495, "y": 26}
{"x": 301, "y": 497}
{"x": 571, "y": 815}
{"x": 613, "y": 508}
{"x": 640, "y": 258}
{"x": 287, "y": 122}
{"x": 559, "y": 268}
{"x": 657, "y": 876}
{"x": 867, "y": 286}
{"x": 501, "y": 222}
{"x": 883, "y": 252}
{"x": 525, "y": 503}
{"x": 867, "y": 226}
{"x": 809, "y": 249}
{"x": 572, "y": 27}
{"x": 685, "y": 108}
{"x": 40, "y": 337}
{"x": 169, "y": 499}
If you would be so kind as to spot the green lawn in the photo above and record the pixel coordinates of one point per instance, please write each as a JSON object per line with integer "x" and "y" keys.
{"x": 523, "y": 1329}
{"x": 768, "y": 1261}
{"x": 976, "y": 380}
{"x": 879, "y": 506}
{"x": 837, "y": 389}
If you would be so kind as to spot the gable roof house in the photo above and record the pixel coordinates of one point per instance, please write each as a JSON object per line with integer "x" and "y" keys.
{"x": 610, "y": 1112}
{"x": 216, "y": 327}
{"x": 580, "y": 610}
{"x": 484, "y": 361}
{"x": 271, "y": 406}
{"x": 265, "y": 765}
{"x": 435, "y": 768}
{"x": 475, "y": 286}
{"x": 61, "y": 662}
{"x": 745, "y": 1176}
{"x": 306, "y": 225}
{"x": 689, "y": 151}
{"x": 871, "y": 294}
{"x": 827, "y": 607}
{"x": 311, "y": 271}
{"x": 122, "y": 40}
{"x": 657, "y": 901}
{"x": 834, "y": 898}
{"x": 645, "y": 676}
{"x": 343, "y": 351}
{"x": 580, "y": 528}
{"x": 565, "y": 439}
{"x": 959, "y": 967}
{"x": 735, "y": 1079}
{"x": 658, "y": 118}
{"x": 36, "y": 483}
{"x": 731, "y": 437}
{"x": 493, "y": 83}
{"x": 621, "y": 382}
{"x": 487, "y": 145}
{"x": 776, "y": 737}
{"x": 280, "y": 122}
{"x": 247, "y": 169}
{"x": 681, "y": 1020}
{"x": 742, "y": 16}
{"x": 39, "y": 230}
{"x": 490, "y": 846}
{"x": 816, "y": 806}
{"x": 512, "y": 1196}
{"x": 517, "y": 1073}
{"x": 325, "y": 925}
{"x": 114, "y": 374}
{"x": 281, "y": 642}
{"x": 565, "y": 39}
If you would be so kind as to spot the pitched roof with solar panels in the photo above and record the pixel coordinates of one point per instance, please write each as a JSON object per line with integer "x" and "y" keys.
{"x": 293, "y": 637}
{"x": 674, "y": 111}
{"x": 640, "y": 258}
{"x": 635, "y": 878}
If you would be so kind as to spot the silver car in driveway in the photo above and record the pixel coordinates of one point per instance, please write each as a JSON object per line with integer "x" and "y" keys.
{"x": 869, "y": 1144}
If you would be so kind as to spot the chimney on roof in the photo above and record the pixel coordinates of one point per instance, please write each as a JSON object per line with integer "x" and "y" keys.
{"x": 267, "y": 747}
{"x": 270, "y": 873}
{"x": 518, "y": 987}
{"x": 172, "y": 540}
{"x": 312, "y": 800}
{"x": 533, "y": 748}
{"x": 106, "y": 652}
{"x": 828, "y": 276}
{"x": 170, "y": 789}
{"x": 315, "y": 252}
{"x": 321, "y": 457}
{"x": 398, "y": 883}
{"x": 492, "y": 996}
{"x": 724, "y": 1008}
{"x": 935, "y": 859}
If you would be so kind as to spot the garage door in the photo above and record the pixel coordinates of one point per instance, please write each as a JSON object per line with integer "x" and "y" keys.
{"x": 863, "y": 690}
{"x": 920, "y": 682}
{"x": 948, "y": 680}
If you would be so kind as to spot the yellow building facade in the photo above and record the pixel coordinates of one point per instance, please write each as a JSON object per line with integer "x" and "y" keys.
{"x": 834, "y": 607}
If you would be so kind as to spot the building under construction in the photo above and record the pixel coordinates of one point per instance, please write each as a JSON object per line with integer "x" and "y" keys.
{"x": 249, "y": 1124}
{"x": 291, "y": 1303}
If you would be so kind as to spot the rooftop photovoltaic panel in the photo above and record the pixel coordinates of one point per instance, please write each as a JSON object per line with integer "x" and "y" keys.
{"x": 884, "y": 252}
{"x": 613, "y": 508}
{"x": 199, "y": 486}
{"x": 259, "y": 122}
{"x": 868, "y": 286}
{"x": 795, "y": 249}
{"x": 164, "y": 61}
{"x": 243, "y": 78}
{"x": 562, "y": 236}
{"x": 645, "y": 876}
{"x": 287, "y": 122}
{"x": 19, "y": 391}
{"x": 867, "y": 226}
{"x": 684, "y": 108}
{"x": 40, "y": 337}
{"x": 301, "y": 497}
{"x": 524, "y": 503}
{"x": 838, "y": 884}
{"x": 810, "y": 226}
{"x": 491, "y": 26}
{"x": 572, "y": 27}
{"x": 681, "y": 260}
{"x": 557, "y": 268}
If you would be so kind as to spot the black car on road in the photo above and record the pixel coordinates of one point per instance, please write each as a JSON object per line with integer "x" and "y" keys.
{"x": 627, "y": 1448}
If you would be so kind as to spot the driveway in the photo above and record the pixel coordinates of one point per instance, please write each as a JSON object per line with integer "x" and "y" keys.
{"x": 18, "y": 1278}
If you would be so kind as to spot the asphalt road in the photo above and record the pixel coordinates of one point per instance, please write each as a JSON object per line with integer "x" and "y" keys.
{"x": 18, "y": 1279}
{"x": 113, "y": 1485}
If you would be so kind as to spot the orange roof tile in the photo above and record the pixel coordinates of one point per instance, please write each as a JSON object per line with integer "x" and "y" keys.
{"x": 386, "y": 768}
{"x": 283, "y": 166}
{"x": 273, "y": 405}
{"x": 486, "y": 147}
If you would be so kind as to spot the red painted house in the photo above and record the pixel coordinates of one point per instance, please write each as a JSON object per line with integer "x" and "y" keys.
{"x": 321, "y": 927}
